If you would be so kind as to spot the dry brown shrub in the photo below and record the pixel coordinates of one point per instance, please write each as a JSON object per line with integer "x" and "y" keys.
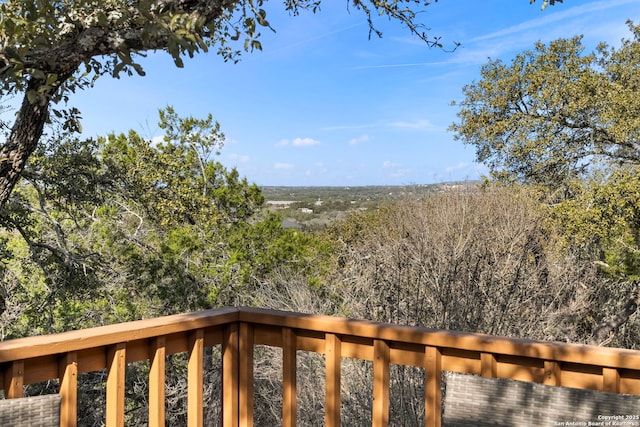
{"x": 481, "y": 260}
{"x": 476, "y": 261}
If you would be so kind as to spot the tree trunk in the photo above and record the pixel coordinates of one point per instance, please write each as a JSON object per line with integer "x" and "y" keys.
{"x": 23, "y": 140}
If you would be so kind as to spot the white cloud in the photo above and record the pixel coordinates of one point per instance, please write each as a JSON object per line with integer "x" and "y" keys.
{"x": 417, "y": 124}
{"x": 359, "y": 140}
{"x": 283, "y": 166}
{"x": 305, "y": 142}
{"x": 556, "y": 22}
{"x": 395, "y": 170}
{"x": 159, "y": 139}
{"x": 459, "y": 166}
{"x": 558, "y": 16}
{"x": 240, "y": 158}
{"x": 387, "y": 164}
{"x": 400, "y": 173}
{"x": 349, "y": 127}
{"x": 400, "y": 65}
{"x": 315, "y": 38}
{"x": 298, "y": 142}
{"x": 400, "y": 124}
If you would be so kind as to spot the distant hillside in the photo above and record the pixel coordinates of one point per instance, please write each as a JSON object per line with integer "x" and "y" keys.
{"x": 315, "y": 207}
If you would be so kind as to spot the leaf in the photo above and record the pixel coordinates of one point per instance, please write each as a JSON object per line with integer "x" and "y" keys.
{"x": 139, "y": 69}
{"x": 117, "y": 69}
{"x": 250, "y": 26}
{"x": 102, "y": 19}
{"x": 32, "y": 96}
{"x": 51, "y": 79}
{"x": 261, "y": 16}
{"x": 38, "y": 74}
{"x": 125, "y": 56}
{"x": 174, "y": 21}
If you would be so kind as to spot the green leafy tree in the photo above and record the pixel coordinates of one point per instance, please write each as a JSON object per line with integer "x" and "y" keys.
{"x": 565, "y": 119}
{"x": 554, "y": 113}
{"x": 175, "y": 180}
{"x": 122, "y": 227}
{"x": 603, "y": 219}
{"x": 50, "y": 49}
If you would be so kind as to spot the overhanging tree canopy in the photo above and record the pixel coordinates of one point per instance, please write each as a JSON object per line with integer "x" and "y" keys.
{"x": 49, "y": 49}
{"x": 555, "y": 113}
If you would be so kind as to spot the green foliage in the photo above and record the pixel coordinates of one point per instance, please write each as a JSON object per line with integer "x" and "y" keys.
{"x": 603, "y": 218}
{"x": 121, "y": 227}
{"x": 77, "y": 32}
{"x": 175, "y": 180}
{"x": 554, "y": 113}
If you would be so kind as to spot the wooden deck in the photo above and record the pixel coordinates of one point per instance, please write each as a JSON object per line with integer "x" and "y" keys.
{"x": 238, "y": 330}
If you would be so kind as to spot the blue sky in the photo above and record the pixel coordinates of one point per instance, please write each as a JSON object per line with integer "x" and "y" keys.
{"x": 324, "y": 105}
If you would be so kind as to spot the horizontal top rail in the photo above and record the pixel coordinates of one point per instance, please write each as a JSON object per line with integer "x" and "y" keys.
{"x": 536, "y": 349}
{"x": 44, "y": 345}
{"x": 30, "y": 347}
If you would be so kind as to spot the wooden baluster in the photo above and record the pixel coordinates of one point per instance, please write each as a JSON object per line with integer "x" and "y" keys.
{"x": 611, "y": 380}
{"x": 230, "y": 374}
{"x": 381, "y": 359}
{"x": 488, "y": 365}
{"x": 552, "y": 372}
{"x": 157, "y": 374}
{"x": 245, "y": 386}
{"x": 433, "y": 387}
{"x": 116, "y": 364}
{"x": 69, "y": 390}
{"x": 289, "y": 372}
{"x": 333, "y": 353}
{"x": 14, "y": 380}
{"x": 195, "y": 373}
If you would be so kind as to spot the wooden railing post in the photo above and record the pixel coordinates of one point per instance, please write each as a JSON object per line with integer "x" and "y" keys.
{"x": 433, "y": 387}
{"x": 381, "y": 360}
{"x": 245, "y": 383}
{"x": 195, "y": 374}
{"x": 157, "y": 374}
{"x": 289, "y": 373}
{"x": 333, "y": 358}
{"x": 230, "y": 374}
{"x": 116, "y": 365}
{"x": 69, "y": 389}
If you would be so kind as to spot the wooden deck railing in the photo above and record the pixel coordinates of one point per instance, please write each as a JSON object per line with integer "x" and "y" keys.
{"x": 64, "y": 356}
